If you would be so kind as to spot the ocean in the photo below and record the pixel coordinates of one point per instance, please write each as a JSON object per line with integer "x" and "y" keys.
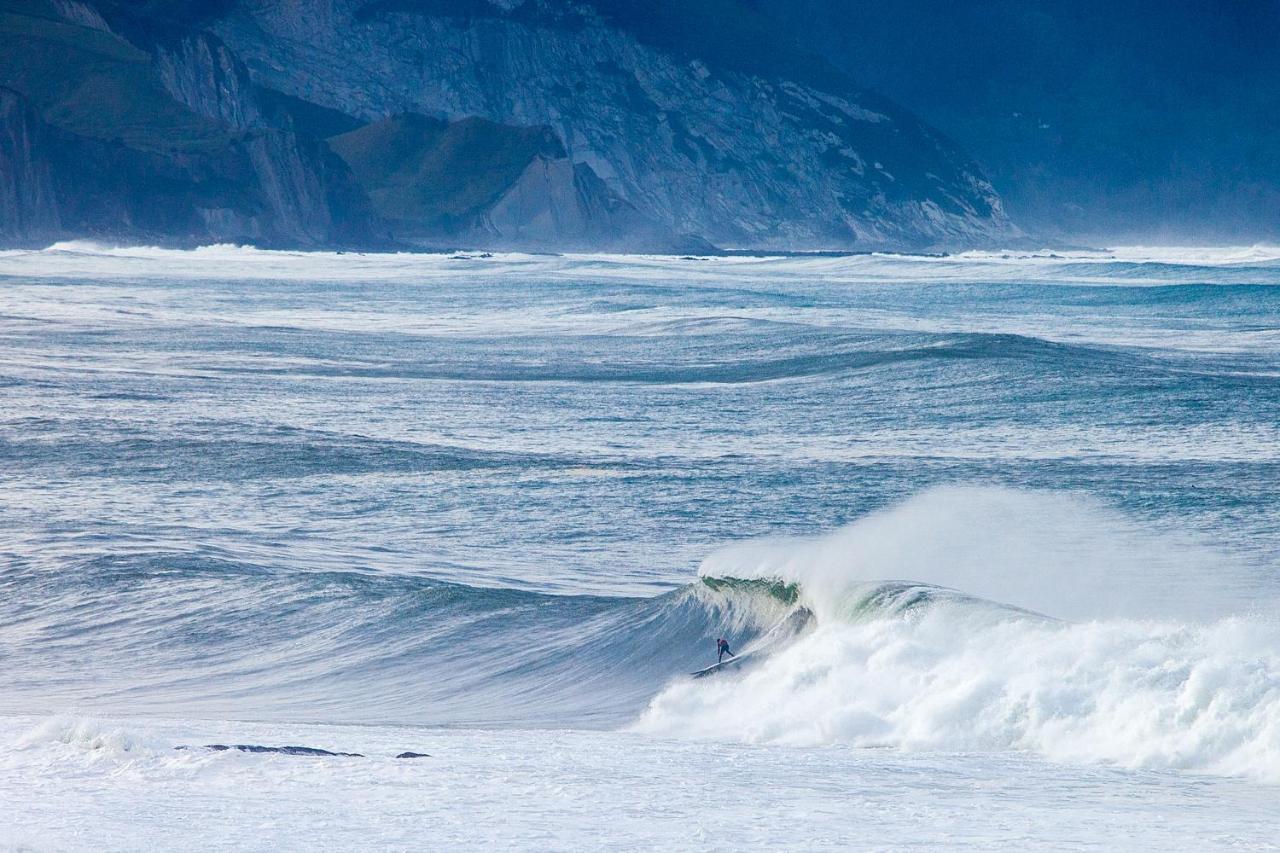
{"x": 995, "y": 537}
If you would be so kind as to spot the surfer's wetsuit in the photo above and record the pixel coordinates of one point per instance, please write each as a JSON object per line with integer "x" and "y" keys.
{"x": 722, "y": 649}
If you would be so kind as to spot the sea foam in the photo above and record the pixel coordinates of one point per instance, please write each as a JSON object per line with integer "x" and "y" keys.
{"x": 956, "y": 672}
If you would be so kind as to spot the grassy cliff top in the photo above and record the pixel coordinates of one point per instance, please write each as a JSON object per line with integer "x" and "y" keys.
{"x": 95, "y": 83}
{"x": 427, "y": 170}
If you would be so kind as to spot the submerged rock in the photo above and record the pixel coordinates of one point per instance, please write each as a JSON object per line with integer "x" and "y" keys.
{"x": 278, "y": 750}
{"x": 292, "y": 750}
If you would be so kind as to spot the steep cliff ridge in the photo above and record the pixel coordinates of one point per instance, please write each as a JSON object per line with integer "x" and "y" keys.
{"x": 536, "y": 124}
{"x": 475, "y": 182}
{"x": 159, "y": 140}
{"x": 696, "y": 126}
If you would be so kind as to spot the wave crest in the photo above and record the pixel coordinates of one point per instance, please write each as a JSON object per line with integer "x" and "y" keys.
{"x": 923, "y": 666}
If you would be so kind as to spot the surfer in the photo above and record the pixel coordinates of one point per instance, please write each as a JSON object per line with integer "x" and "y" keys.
{"x": 722, "y": 649}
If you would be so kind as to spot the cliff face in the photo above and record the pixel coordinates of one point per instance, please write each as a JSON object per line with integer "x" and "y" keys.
{"x": 477, "y": 183}
{"x": 663, "y": 125}
{"x": 732, "y": 150}
{"x": 28, "y": 208}
{"x": 198, "y": 71}
{"x": 155, "y": 139}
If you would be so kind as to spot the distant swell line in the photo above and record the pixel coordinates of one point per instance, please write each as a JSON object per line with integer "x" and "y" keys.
{"x": 745, "y": 371}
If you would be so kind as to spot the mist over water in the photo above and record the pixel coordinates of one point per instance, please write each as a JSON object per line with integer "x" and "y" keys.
{"x": 981, "y": 503}
{"x": 1138, "y": 649}
{"x": 1062, "y": 554}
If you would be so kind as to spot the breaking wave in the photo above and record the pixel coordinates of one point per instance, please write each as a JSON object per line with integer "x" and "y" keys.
{"x": 1199, "y": 697}
{"x": 915, "y": 666}
{"x": 1134, "y": 265}
{"x": 964, "y": 619}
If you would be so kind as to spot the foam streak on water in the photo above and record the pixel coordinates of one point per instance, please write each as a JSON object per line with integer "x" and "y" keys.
{"x": 980, "y": 527}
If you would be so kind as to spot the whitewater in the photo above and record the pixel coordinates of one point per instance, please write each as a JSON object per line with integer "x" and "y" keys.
{"x": 995, "y": 537}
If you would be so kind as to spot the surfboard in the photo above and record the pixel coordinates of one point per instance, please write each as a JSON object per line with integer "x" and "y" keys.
{"x": 716, "y": 667}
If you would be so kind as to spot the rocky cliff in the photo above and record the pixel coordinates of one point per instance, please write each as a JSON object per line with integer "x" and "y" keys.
{"x": 475, "y": 182}
{"x": 156, "y": 137}
{"x": 539, "y": 124}
{"x": 28, "y": 209}
{"x": 693, "y": 113}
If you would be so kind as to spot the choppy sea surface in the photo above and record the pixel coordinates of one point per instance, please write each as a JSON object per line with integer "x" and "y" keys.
{"x": 996, "y": 538}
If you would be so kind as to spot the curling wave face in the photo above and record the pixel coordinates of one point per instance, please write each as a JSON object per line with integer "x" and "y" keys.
{"x": 186, "y": 637}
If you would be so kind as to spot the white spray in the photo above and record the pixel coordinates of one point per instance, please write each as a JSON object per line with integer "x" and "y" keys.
{"x": 1194, "y": 694}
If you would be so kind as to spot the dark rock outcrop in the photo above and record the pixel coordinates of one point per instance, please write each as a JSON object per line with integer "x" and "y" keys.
{"x": 28, "y": 207}
{"x": 305, "y": 751}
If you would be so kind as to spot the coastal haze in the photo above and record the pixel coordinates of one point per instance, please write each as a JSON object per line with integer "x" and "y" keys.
{"x": 398, "y": 399}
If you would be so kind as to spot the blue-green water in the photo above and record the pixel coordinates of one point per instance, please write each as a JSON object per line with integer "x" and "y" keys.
{"x": 333, "y": 487}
